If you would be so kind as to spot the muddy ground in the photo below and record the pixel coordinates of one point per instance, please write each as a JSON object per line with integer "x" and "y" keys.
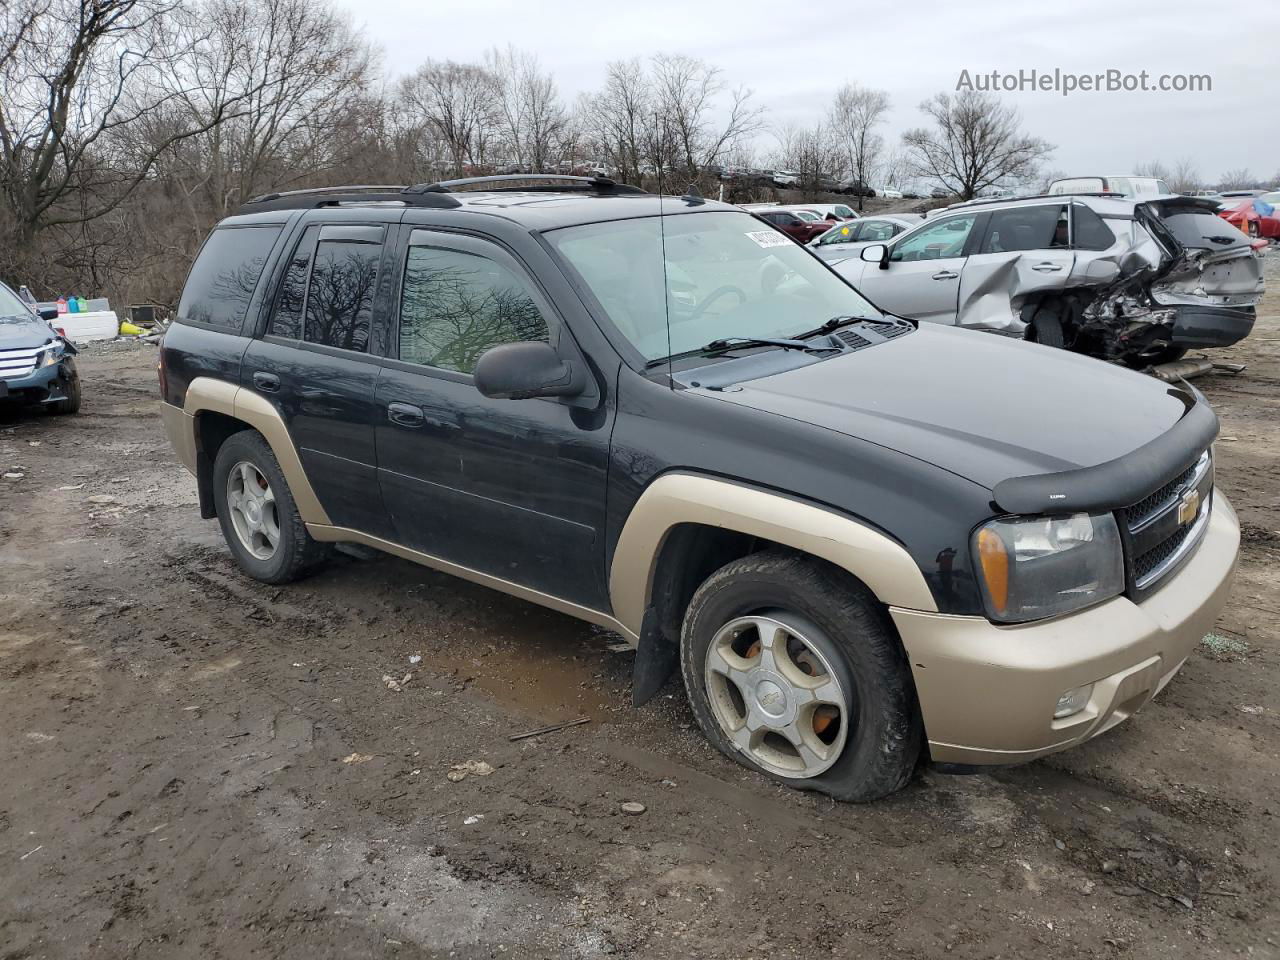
{"x": 196, "y": 765}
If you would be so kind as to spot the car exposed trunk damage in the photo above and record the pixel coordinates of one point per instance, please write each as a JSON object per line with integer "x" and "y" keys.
{"x": 1178, "y": 277}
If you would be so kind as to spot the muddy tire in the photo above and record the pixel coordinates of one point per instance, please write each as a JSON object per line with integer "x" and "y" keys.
{"x": 257, "y": 513}
{"x": 833, "y": 709}
{"x": 71, "y": 403}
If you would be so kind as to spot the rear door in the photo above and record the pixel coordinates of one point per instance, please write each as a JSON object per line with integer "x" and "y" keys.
{"x": 512, "y": 488}
{"x": 313, "y": 363}
{"x": 1022, "y": 250}
{"x": 922, "y": 278}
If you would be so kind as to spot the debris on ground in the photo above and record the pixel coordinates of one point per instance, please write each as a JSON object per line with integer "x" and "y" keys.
{"x": 415, "y": 659}
{"x": 1224, "y": 648}
{"x": 460, "y": 771}
{"x": 1251, "y": 708}
{"x": 551, "y": 729}
{"x": 357, "y": 758}
{"x": 470, "y": 821}
{"x": 102, "y": 498}
{"x": 394, "y": 684}
{"x": 72, "y": 486}
{"x": 14, "y": 476}
{"x": 633, "y": 808}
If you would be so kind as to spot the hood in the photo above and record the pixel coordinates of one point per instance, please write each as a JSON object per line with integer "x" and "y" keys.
{"x": 24, "y": 330}
{"x": 985, "y": 407}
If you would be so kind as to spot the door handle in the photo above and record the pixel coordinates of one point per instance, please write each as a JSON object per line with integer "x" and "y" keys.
{"x": 1047, "y": 267}
{"x": 405, "y": 415}
{"x": 945, "y": 275}
{"x": 266, "y": 382}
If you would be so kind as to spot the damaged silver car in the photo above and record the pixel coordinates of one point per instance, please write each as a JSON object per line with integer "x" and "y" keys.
{"x": 1138, "y": 282}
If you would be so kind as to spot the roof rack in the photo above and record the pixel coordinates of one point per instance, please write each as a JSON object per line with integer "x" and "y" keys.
{"x": 560, "y": 183}
{"x": 428, "y": 194}
{"x": 336, "y": 196}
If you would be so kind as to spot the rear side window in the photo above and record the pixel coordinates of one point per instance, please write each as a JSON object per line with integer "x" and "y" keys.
{"x": 455, "y": 306}
{"x": 1026, "y": 228}
{"x": 225, "y": 274}
{"x": 286, "y": 321}
{"x": 344, "y": 276}
{"x": 1090, "y": 232}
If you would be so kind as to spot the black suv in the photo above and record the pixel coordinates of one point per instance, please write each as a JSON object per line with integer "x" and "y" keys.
{"x": 864, "y": 542}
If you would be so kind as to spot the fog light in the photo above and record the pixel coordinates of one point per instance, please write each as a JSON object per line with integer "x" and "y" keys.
{"x": 1073, "y": 701}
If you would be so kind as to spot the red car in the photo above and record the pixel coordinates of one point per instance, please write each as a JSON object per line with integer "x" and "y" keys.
{"x": 1251, "y": 216}
{"x": 801, "y": 231}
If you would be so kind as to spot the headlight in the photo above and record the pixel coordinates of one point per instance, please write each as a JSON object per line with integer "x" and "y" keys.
{"x": 52, "y": 354}
{"x": 1036, "y": 567}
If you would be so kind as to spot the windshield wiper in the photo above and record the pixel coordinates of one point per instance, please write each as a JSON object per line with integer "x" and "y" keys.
{"x": 732, "y": 343}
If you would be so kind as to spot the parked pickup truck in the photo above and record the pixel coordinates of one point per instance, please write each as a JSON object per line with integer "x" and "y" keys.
{"x": 863, "y": 543}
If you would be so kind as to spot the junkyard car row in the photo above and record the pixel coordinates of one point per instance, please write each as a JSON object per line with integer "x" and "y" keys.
{"x": 845, "y": 529}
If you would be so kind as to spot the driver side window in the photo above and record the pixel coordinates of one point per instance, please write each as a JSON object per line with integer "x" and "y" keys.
{"x": 943, "y": 240}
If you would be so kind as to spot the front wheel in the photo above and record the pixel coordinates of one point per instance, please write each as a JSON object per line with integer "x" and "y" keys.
{"x": 70, "y": 402}
{"x": 259, "y": 519}
{"x": 793, "y": 669}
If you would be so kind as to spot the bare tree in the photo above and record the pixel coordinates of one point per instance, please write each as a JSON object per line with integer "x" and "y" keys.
{"x": 75, "y": 74}
{"x": 853, "y": 118}
{"x": 534, "y": 119}
{"x": 619, "y": 119}
{"x": 975, "y": 143}
{"x": 299, "y": 73}
{"x": 812, "y": 152}
{"x": 686, "y": 90}
{"x": 1152, "y": 168}
{"x": 459, "y": 101}
{"x": 1237, "y": 179}
{"x": 1184, "y": 178}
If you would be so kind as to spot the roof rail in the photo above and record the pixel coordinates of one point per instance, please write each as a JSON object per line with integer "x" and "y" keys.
{"x": 336, "y": 196}
{"x": 560, "y": 183}
{"x": 978, "y": 201}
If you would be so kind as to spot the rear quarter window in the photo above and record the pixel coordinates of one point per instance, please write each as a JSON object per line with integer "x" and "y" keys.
{"x": 1090, "y": 232}
{"x": 224, "y": 276}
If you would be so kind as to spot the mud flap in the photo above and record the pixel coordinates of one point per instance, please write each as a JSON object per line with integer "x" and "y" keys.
{"x": 657, "y": 658}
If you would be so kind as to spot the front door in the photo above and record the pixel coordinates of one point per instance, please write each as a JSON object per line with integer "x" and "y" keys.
{"x": 922, "y": 279}
{"x": 313, "y": 363}
{"x": 512, "y": 488}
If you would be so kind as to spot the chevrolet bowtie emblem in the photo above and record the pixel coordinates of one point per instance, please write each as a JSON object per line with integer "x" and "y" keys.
{"x": 1188, "y": 508}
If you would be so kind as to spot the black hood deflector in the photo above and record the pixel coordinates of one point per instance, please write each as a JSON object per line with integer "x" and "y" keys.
{"x": 1120, "y": 482}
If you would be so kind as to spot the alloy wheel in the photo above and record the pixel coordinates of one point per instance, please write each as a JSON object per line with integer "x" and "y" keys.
{"x": 773, "y": 691}
{"x": 252, "y": 504}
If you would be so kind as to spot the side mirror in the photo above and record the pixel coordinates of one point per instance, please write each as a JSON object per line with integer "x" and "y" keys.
{"x": 48, "y": 313}
{"x": 876, "y": 253}
{"x": 521, "y": 371}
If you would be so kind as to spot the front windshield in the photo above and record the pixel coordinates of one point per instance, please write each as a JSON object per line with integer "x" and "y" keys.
{"x": 727, "y": 275}
{"x": 11, "y": 306}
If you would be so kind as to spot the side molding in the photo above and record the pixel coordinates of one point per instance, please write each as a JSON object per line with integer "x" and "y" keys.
{"x": 883, "y": 565}
{"x": 218, "y": 396}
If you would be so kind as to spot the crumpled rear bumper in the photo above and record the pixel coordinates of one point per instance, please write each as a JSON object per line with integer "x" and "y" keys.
{"x": 1210, "y": 326}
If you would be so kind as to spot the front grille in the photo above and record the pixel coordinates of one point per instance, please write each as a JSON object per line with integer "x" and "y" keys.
{"x": 1158, "y": 536}
{"x": 18, "y": 363}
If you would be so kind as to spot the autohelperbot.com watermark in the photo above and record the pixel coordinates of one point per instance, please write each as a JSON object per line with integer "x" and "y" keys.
{"x": 1066, "y": 83}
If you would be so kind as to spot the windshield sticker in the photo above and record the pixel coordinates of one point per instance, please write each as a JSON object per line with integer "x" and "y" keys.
{"x": 769, "y": 238}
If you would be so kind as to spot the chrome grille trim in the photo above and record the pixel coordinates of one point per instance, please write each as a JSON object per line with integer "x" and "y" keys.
{"x": 19, "y": 363}
{"x": 1189, "y": 543}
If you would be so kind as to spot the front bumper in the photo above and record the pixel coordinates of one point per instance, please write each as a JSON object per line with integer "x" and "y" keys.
{"x": 43, "y": 385}
{"x": 987, "y": 692}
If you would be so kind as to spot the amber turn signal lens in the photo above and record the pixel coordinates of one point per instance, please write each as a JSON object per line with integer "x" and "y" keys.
{"x": 995, "y": 568}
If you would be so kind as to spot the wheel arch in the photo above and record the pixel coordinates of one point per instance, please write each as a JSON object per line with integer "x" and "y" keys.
{"x": 216, "y": 410}
{"x": 652, "y": 562}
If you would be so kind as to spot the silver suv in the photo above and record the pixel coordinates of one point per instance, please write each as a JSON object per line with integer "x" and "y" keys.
{"x": 1136, "y": 281}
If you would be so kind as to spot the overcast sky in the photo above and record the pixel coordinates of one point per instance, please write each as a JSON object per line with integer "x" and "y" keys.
{"x": 795, "y": 54}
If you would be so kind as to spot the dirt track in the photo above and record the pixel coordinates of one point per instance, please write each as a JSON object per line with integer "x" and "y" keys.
{"x": 174, "y": 778}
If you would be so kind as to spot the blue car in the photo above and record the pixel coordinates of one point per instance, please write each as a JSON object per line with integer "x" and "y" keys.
{"x": 37, "y": 365}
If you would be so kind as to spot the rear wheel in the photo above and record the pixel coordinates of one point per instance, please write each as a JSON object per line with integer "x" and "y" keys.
{"x": 1046, "y": 327}
{"x": 259, "y": 518}
{"x": 793, "y": 669}
{"x": 1255, "y": 229}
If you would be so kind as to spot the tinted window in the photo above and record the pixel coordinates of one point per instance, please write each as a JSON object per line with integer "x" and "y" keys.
{"x": 287, "y": 319}
{"x": 1090, "y": 232}
{"x": 941, "y": 240}
{"x": 225, "y": 274}
{"x": 340, "y": 295}
{"x": 1026, "y": 228}
{"x": 455, "y": 306}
